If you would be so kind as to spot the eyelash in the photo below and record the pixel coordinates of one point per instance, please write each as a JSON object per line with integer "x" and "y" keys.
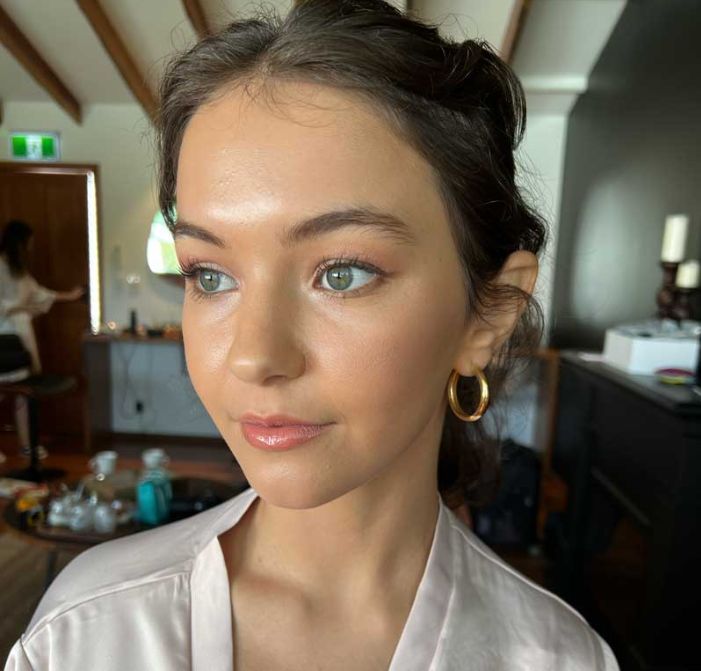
{"x": 190, "y": 269}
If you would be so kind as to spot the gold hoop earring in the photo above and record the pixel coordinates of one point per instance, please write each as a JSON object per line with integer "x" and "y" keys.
{"x": 455, "y": 403}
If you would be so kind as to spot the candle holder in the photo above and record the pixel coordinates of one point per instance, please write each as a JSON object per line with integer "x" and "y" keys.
{"x": 681, "y": 308}
{"x": 666, "y": 294}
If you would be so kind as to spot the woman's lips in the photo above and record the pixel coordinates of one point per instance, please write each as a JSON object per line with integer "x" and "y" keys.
{"x": 280, "y": 437}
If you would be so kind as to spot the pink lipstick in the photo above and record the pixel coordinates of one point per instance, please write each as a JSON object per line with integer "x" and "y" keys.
{"x": 278, "y": 432}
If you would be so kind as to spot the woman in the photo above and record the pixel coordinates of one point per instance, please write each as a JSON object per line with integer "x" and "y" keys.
{"x": 22, "y": 299}
{"x": 359, "y": 268}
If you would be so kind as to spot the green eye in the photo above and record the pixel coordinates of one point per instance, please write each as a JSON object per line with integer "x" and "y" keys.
{"x": 341, "y": 276}
{"x": 212, "y": 281}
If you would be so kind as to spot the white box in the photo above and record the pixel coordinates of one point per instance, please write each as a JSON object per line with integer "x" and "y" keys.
{"x": 640, "y": 350}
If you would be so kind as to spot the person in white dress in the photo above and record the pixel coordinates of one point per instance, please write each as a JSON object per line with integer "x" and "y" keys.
{"x": 359, "y": 269}
{"x": 21, "y": 299}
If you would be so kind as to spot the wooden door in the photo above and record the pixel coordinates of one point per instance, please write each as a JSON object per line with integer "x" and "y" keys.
{"x": 55, "y": 204}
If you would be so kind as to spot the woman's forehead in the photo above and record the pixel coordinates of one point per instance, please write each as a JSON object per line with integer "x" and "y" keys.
{"x": 308, "y": 144}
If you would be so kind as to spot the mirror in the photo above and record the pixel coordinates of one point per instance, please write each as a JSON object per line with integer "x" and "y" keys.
{"x": 160, "y": 249}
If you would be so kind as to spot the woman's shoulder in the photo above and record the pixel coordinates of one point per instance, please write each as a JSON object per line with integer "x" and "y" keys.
{"x": 146, "y": 558}
{"x": 520, "y": 618}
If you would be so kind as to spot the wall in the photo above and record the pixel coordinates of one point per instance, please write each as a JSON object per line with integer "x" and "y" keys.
{"x": 460, "y": 19}
{"x": 633, "y": 156}
{"x": 118, "y": 139}
{"x": 155, "y": 375}
{"x": 541, "y": 164}
{"x": 540, "y": 161}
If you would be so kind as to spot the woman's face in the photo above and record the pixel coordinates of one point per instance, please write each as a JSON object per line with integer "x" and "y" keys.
{"x": 273, "y": 327}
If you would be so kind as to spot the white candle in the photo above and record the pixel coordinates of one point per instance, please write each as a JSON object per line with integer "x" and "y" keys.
{"x": 688, "y": 274}
{"x": 674, "y": 241}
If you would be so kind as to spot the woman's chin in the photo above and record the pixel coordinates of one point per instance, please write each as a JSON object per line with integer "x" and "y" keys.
{"x": 300, "y": 494}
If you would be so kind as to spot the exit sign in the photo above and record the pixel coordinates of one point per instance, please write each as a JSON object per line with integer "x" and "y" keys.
{"x": 34, "y": 146}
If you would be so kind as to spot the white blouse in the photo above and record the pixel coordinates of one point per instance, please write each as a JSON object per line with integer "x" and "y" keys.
{"x": 159, "y": 600}
{"x": 26, "y": 293}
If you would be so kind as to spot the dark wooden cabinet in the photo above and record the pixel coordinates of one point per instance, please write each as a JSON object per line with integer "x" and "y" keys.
{"x": 628, "y": 550}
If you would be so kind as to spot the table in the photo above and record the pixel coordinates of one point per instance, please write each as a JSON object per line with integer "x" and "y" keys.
{"x": 629, "y": 449}
{"x": 63, "y": 539}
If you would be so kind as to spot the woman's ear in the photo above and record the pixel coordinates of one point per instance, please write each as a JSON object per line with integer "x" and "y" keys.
{"x": 484, "y": 337}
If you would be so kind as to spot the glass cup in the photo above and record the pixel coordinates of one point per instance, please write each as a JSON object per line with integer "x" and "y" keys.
{"x": 81, "y": 516}
{"x": 105, "y": 518}
{"x": 103, "y": 464}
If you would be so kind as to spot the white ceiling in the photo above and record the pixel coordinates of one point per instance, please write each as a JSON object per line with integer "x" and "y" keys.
{"x": 558, "y": 47}
{"x": 560, "y": 44}
{"x": 460, "y": 19}
{"x": 150, "y": 30}
{"x": 59, "y": 32}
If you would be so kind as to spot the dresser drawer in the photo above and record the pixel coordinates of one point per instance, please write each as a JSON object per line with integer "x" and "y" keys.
{"x": 636, "y": 442}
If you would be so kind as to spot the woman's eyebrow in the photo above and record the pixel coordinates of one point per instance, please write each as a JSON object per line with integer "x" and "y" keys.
{"x": 321, "y": 224}
{"x": 362, "y": 217}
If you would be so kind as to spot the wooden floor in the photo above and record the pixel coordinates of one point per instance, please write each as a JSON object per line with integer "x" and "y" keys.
{"x": 23, "y": 566}
{"x": 22, "y": 573}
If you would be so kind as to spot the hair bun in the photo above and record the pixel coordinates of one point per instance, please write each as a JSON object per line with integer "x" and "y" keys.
{"x": 464, "y": 56}
{"x": 476, "y": 76}
{"x": 464, "y": 62}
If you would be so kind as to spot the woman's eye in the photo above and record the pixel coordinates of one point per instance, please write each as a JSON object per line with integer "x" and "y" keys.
{"x": 212, "y": 281}
{"x": 342, "y": 275}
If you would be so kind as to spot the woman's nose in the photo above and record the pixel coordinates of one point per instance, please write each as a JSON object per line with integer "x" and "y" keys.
{"x": 264, "y": 338}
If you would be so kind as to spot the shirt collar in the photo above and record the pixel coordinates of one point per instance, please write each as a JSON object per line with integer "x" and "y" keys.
{"x": 210, "y": 619}
{"x": 423, "y": 631}
{"x": 212, "y": 645}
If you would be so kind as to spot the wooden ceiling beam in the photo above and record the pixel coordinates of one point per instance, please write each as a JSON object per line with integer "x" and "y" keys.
{"x": 31, "y": 60}
{"x": 198, "y": 19}
{"x": 514, "y": 30}
{"x": 119, "y": 54}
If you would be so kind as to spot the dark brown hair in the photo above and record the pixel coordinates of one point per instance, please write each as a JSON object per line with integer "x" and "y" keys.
{"x": 457, "y": 103}
{"x": 14, "y": 240}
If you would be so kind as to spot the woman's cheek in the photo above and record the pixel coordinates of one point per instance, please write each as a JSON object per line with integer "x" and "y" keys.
{"x": 402, "y": 359}
{"x": 206, "y": 349}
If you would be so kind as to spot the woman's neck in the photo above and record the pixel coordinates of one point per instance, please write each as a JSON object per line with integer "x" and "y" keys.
{"x": 375, "y": 538}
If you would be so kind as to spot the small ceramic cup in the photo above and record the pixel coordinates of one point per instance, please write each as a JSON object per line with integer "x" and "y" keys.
{"x": 104, "y": 463}
{"x": 155, "y": 457}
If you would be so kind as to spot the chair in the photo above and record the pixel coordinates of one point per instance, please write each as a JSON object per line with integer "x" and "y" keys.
{"x": 34, "y": 389}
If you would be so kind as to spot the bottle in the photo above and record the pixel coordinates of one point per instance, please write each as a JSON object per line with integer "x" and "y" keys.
{"x": 154, "y": 492}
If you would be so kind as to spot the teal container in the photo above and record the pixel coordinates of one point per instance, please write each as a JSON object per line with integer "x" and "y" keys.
{"x": 154, "y": 494}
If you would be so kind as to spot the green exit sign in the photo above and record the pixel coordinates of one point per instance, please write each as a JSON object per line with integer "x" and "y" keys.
{"x": 34, "y": 146}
